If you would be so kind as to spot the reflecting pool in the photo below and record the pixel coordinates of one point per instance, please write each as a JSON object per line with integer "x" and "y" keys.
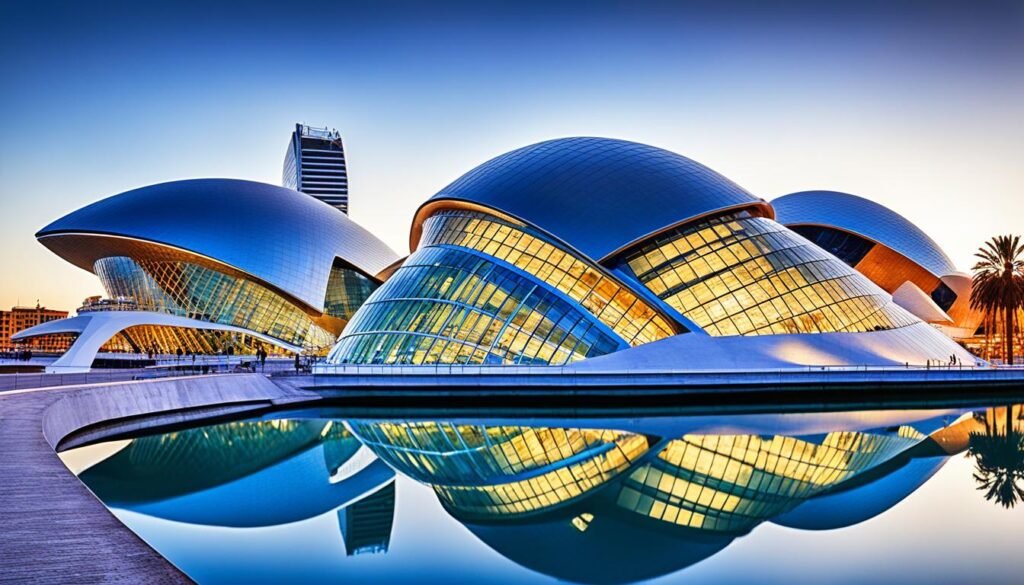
{"x": 908, "y": 496}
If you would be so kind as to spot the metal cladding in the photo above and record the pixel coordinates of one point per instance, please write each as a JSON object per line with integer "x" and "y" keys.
{"x": 596, "y": 194}
{"x": 864, "y": 218}
{"x": 637, "y": 246}
{"x": 276, "y": 235}
{"x": 559, "y": 252}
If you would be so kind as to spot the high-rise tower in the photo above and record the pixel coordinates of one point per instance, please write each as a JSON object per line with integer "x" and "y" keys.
{"x": 315, "y": 164}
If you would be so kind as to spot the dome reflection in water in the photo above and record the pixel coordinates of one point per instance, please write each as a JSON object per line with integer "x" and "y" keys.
{"x": 581, "y": 503}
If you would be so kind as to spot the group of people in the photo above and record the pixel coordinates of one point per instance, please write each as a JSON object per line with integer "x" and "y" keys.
{"x": 21, "y": 355}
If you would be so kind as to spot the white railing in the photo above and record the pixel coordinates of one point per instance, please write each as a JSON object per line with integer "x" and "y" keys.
{"x": 324, "y": 374}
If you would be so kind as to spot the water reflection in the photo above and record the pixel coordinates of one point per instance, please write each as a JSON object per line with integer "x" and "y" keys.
{"x": 998, "y": 451}
{"x": 254, "y": 474}
{"x": 604, "y": 506}
{"x": 578, "y": 502}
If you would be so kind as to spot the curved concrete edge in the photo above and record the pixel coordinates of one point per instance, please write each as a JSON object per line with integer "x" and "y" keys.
{"x": 168, "y": 400}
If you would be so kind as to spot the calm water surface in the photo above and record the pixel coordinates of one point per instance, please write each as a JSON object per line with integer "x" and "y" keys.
{"x": 910, "y": 496}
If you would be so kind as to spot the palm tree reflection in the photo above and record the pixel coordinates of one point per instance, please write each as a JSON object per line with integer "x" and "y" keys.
{"x": 998, "y": 449}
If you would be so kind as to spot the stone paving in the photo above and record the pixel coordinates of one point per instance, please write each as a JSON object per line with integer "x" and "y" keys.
{"x": 52, "y": 529}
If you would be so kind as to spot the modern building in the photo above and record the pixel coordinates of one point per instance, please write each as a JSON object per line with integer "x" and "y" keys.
{"x": 532, "y": 258}
{"x": 315, "y": 164}
{"x": 600, "y": 253}
{"x": 888, "y": 249}
{"x": 213, "y": 265}
{"x": 22, "y": 318}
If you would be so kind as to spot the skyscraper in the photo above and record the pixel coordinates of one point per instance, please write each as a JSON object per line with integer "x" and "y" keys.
{"x": 315, "y": 164}
{"x": 366, "y": 524}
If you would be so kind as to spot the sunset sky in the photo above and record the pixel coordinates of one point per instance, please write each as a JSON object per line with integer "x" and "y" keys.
{"x": 916, "y": 105}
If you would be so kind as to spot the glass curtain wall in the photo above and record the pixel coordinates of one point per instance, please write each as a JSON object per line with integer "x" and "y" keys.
{"x": 615, "y": 305}
{"x": 196, "y": 292}
{"x": 446, "y": 305}
{"x": 746, "y": 275}
{"x": 347, "y": 290}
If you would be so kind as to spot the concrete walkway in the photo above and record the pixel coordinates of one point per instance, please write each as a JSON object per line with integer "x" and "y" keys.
{"x": 52, "y": 529}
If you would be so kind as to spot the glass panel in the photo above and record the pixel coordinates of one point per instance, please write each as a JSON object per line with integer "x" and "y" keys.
{"x": 467, "y": 309}
{"x": 744, "y": 275}
{"x": 582, "y": 281}
{"x": 196, "y": 292}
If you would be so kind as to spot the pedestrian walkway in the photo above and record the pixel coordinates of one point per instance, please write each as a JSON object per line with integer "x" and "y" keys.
{"x": 52, "y": 529}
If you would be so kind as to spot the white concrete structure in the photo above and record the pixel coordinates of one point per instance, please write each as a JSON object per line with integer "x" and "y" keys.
{"x": 96, "y": 329}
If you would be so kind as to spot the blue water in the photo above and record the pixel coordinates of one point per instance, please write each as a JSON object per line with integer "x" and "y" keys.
{"x": 915, "y": 496}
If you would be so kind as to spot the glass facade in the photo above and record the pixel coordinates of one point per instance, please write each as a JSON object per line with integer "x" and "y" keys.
{"x": 448, "y": 305}
{"x": 480, "y": 290}
{"x": 730, "y": 483}
{"x": 843, "y": 245}
{"x": 347, "y": 290}
{"x": 745, "y": 275}
{"x": 491, "y": 471}
{"x": 167, "y": 340}
{"x": 615, "y": 305}
{"x": 197, "y": 292}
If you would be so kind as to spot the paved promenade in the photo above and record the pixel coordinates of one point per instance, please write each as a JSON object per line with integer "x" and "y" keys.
{"x": 52, "y": 529}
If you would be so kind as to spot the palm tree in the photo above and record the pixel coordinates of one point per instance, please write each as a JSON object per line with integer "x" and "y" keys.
{"x": 999, "y": 456}
{"x": 998, "y": 284}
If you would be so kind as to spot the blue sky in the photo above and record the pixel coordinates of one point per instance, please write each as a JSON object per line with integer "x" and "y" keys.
{"x": 917, "y": 105}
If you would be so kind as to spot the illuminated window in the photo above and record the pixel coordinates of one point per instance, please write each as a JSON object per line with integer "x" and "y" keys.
{"x": 450, "y": 305}
{"x": 632, "y": 319}
{"x": 197, "y": 292}
{"x": 745, "y": 275}
{"x": 582, "y": 522}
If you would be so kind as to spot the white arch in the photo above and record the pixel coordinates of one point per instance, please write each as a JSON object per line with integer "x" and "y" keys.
{"x": 95, "y": 329}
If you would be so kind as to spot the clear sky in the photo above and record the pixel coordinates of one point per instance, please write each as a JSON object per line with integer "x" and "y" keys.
{"x": 919, "y": 105}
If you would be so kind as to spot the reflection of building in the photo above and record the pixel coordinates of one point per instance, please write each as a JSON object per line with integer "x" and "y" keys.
{"x": 315, "y": 164}
{"x": 502, "y": 470}
{"x": 639, "y": 507}
{"x": 532, "y": 258}
{"x": 21, "y": 318}
{"x": 731, "y": 483}
{"x": 250, "y": 474}
{"x": 203, "y": 261}
{"x": 890, "y": 250}
{"x": 366, "y": 524}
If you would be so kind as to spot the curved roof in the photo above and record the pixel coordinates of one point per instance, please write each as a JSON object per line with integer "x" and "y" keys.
{"x": 867, "y": 219}
{"x": 279, "y": 236}
{"x": 596, "y": 194}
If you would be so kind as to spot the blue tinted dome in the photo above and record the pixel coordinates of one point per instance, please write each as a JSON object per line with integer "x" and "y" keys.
{"x": 596, "y": 194}
{"x": 279, "y": 236}
{"x": 867, "y": 219}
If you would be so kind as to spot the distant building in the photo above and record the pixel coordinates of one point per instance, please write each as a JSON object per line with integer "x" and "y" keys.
{"x": 21, "y": 318}
{"x": 315, "y": 164}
